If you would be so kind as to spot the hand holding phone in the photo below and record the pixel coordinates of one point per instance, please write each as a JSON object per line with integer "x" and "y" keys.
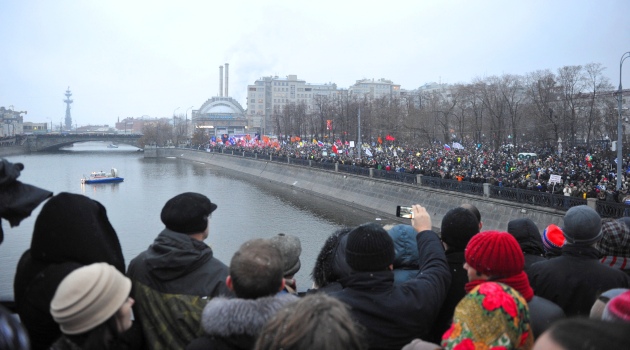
{"x": 404, "y": 212}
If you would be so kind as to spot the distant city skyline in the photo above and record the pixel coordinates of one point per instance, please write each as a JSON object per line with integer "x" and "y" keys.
{"x": 124, "y": 59}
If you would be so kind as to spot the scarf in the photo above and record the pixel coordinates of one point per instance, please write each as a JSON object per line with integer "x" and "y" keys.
{"x": 520, "y": 282}
{"x": 616, "y": 262}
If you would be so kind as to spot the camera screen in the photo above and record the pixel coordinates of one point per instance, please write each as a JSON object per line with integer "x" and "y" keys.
{"x": 404, "y": 212}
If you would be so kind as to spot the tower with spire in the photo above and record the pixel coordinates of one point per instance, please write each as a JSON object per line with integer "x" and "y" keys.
{"x": 68, "y": 101}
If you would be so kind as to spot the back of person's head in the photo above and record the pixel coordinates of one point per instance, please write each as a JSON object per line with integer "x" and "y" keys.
{"x": 473, "y": 210}
{"x": 369, "y": 248}
{"x": 597, "y": 310}
{"x": 492, "y": 314}
{"x": 585, "y": 334}
{"x": 615, "y": 239}
{"x": 73, "y": 227}
{"x": 187, "y": 213}
{"x": 582, "y": 226}
{"x": 315, "y": 322}
{"x": 553, "y": 240}
{"x": 527, "y": 235}
{"x": 13, "y": 336}
{"x": 495, "y": 254}
{"x": 87, "y": 300}
{"x": 256, "y": 269}
{"x": 331, "y": 265}
{"x": 459, "y": 225}
{"x": 618, "y": 308}
{"x": 290, "y": 248}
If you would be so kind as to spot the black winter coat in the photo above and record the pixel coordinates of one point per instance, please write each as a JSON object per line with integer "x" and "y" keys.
{"x": 70, "y": 231}
{"x": 393, "y": 315}
{"x": 456, "y": 292}
{"x": 173, "y": 281}
{"x": 575, "y": 279}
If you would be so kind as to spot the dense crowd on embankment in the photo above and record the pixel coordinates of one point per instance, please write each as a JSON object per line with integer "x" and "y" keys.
{"x": 373, "y": 287}
{"x": 584, "y": 172}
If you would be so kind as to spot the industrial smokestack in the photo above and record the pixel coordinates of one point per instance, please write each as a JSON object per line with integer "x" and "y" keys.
{"x": 220, "y": 81}
{"x": 227, "y": 77}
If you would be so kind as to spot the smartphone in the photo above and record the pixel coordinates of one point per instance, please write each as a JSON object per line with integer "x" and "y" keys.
{"x": 404, "y": 212}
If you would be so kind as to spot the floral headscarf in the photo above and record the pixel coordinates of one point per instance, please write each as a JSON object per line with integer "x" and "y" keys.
{"x": 491, "y": 316}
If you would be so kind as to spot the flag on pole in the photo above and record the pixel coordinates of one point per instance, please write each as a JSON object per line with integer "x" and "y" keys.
{"x": 368, "y": 152}
{"x": 457, "y": 145}
{"x": 447, "y": 147}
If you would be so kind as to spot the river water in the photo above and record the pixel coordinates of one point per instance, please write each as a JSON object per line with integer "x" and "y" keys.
{"x": 245, "y": 210}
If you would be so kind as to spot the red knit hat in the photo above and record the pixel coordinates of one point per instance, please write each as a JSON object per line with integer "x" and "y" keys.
{"x": 495, "y": 253}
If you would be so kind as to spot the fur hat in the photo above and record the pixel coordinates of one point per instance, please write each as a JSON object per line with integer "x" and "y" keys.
{"x": 369, "y": 248}
{"x": 553, "y": 239}
{"x": 582, "y": 225}
{"x": 495, "y": 253}
{"x": 89, "y": 296}
{"x": 291, "y": 248}
{"x": 187, "y": 213}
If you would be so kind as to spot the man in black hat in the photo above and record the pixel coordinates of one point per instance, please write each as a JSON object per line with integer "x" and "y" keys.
{"x": 174, "y": 279}
{"x": 393, "y": 315}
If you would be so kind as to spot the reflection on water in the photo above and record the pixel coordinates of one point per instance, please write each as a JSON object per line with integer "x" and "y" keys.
{"x": 246, "y": 208}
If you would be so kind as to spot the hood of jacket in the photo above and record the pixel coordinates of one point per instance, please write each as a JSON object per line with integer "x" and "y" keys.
{"x": 173, "y": 255}
{"x": 73, "y": 227}
{"x": 527, "y": 235}
{"x": 225, "y": 317}
{"x": 404, "y": 237}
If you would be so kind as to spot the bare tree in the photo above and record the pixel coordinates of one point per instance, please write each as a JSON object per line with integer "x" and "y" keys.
{"x": 595, "y": 84}
{"x": 541, "y": 90}
{"x": 570, "y": 83}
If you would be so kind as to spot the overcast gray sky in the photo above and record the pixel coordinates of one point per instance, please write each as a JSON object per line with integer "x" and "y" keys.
{"x": 134, "y": 58}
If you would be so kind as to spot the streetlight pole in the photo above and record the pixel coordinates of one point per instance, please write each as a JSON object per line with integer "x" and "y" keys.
{"x": 189, "y": 108}
{"x": 619, "y": 126}
{"x": 174, "y": 123}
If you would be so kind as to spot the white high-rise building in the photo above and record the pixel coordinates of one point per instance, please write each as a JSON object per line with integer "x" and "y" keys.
{"x": 269, "y": 95}
{"x": 374, "y": 89}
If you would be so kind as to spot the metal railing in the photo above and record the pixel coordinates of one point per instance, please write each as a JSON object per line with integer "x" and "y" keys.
{"x": 453, "y": 185}
{"x": 541, "y": 199}
{"x": 612, "y": 210}
{"x": 394, "y": 176}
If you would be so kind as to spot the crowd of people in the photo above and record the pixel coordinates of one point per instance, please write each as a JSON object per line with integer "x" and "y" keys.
{"x": 373, "y": 286}
{"x": 585, "y": 172}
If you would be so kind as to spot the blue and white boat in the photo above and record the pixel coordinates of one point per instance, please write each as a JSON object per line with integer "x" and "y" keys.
{"x": 98, "y": 177}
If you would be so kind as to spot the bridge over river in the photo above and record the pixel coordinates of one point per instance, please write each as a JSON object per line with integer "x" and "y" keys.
{"x": 48, "y": 142}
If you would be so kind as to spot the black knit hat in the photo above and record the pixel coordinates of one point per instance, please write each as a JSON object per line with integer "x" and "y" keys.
{"x": 459, "y": 225}
{"x": 369, "y": 248}
{"x": 187, "y": 213}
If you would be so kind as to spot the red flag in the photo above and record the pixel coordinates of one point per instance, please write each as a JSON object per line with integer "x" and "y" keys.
{"x": 334, "y": 149}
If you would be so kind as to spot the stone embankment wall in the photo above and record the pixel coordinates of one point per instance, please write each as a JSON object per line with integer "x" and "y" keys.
{"x": 378, "y": 196}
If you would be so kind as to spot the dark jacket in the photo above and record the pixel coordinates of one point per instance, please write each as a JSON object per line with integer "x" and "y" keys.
{"x": 70, "y": 231}
{"x": 575, "y": 279}
{"x": 456, "y": 292}
{"x": 528, "y": 237}
{"x": 393, "y": 315}
{"x": 236, "y": 323}
{"x": 172, "y": 283}
{"x": 542, "y": 314}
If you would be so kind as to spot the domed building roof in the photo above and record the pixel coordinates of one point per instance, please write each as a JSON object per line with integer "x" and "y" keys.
{"x": 223, "y": 107}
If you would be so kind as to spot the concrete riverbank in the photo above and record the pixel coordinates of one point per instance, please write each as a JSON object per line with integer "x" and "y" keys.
{"x": 378, "y": 196}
